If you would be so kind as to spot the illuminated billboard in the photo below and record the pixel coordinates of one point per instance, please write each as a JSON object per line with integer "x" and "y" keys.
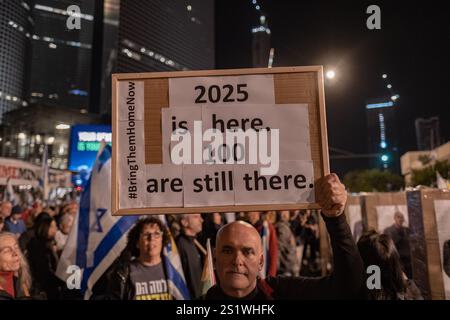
{"x": 84, "y": 144}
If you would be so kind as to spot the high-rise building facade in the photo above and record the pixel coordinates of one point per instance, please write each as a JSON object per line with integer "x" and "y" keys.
{"x": 261, "y": 52}
{"x": 427, "y": 133}
{"x": 261, "y": 44}
{"x": 382, "y": 134}
{"x": 45, "y": 68}
{"x": 155, "y": 35}
{"x": 60, "y": 55}
{"x": 15, "y": 22}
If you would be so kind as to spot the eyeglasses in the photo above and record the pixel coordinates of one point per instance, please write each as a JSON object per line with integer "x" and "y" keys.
{"x": 154, "y": 235}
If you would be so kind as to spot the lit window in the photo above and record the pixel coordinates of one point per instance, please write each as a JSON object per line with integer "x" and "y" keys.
{"x": 64, "y": 12}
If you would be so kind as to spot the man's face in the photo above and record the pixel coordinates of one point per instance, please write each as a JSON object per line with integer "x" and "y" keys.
{"x": 150, "y": 241}
{"x": 285, "y": 215}
{"x": 194, "y": 222}
{"x": 6, "y": 208}
{"x": 65, "y": 227}
{"x": 253, "y": 217}
{"x": 399, "y": 219}
{"x": 239, "y": 258}
{"x": 9, "y": 254}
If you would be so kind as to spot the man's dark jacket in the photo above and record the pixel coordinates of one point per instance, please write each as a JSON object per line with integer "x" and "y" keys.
{"x": 345, "y": 282}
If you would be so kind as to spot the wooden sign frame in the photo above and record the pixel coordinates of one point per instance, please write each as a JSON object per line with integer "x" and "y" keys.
{"x": 294, "y": 85}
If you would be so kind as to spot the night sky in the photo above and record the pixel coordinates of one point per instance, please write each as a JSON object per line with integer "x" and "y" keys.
{"x": 413, "y": 48}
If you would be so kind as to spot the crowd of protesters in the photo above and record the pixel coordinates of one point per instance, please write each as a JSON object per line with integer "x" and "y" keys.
{"x": 33, "y": 238}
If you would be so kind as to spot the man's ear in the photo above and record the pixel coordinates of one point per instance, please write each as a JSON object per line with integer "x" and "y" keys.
{"x": 261, "y": 261}
{"x": 184, "y": 223}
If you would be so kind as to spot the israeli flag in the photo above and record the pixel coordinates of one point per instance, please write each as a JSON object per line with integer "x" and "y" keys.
{"x": 97, "y": 238}
{"x": 174, "y": 270}
{"x": 265, "y": 237}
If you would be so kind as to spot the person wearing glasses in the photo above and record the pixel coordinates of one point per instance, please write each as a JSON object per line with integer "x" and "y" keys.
{"x": 139, "y": 272}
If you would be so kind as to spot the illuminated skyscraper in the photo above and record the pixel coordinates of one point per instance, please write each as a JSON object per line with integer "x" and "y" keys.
{"x": 60, "y": 58}
{"x": 14, "y": 33}
{"x": 155, "y": 35}
{"x": 427, "y": 133}
{"x": 382, "y": 134}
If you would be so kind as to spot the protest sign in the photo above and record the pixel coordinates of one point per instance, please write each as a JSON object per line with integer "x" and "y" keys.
{"x": 218, "y": 141}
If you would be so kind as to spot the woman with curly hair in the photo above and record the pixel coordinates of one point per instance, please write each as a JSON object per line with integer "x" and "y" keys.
{"x": 139, "y": 272}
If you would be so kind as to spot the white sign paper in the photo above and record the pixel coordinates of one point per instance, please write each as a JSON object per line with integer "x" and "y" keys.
{"x": 130, "y": 100}
{"x": 174, "y": 118}
{"x": 208, "y": 185}
{"x": 294, "y": 183}
{"x": 385, "y": 216}
{"x": 131, "y": 164}
{"x": 291, "y": 120}
{"x": 164, "y": 185}
{"x": 355, "y": 220}
{"x": 220, "y": 91}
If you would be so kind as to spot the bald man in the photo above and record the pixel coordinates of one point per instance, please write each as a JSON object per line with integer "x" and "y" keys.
{"x": 239, "y": 258}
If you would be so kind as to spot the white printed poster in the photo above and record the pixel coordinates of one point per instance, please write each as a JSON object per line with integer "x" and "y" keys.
{"x": 221, "y": 91}
{"x": 294, "y": 183}
{"x": 386, "y": 215}
{"x": 131, "y": 142}
{"x": 355, "y": 220}
{"x": 208, "y": 185}
{"x": 259, "y": 154}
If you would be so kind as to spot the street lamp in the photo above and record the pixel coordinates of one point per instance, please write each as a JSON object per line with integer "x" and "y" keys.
{"x": 330, "y": 74}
